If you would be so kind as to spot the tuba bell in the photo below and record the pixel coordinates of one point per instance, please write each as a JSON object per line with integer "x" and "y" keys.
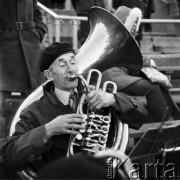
{"x": 108, "y": 45}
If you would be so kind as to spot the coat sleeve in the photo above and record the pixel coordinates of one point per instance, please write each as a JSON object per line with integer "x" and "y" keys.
{"x": 130, "y": 111}
{"x": 41, "y": 28}
{"x": 146, "y": 62}
{"x": 25, "y": 146}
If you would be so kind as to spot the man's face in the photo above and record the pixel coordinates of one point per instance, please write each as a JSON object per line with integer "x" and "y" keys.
{"x": 61, "y": 68}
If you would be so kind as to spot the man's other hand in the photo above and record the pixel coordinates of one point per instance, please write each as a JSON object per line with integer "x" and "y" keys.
{"x": 65, "y": 124}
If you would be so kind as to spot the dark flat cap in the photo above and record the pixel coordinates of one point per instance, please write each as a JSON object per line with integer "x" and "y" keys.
{"x": 52, "y": 52}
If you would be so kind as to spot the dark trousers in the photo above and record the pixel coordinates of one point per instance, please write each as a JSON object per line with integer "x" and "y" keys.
{"x": 159, "y": 101}
{"x": 8, "y": 107}
{"x": 3, "y": 96}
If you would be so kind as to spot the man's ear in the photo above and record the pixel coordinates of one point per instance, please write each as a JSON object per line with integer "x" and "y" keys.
{"x": 48, "y": 74}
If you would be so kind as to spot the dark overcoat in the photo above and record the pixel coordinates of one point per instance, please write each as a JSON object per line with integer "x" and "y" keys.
{"x": 124, "y": 76}
{"x": 120, "y": 77}
{"x": 21, "y": 32}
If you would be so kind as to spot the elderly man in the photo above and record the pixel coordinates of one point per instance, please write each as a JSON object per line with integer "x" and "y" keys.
{"x": 46, "y": 125}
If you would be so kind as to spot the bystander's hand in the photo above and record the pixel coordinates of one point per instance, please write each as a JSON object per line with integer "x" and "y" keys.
{"x": 65, "y": 124}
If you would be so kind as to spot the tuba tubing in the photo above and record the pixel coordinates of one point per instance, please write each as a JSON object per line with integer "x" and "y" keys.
{"x": 97, "y": 129}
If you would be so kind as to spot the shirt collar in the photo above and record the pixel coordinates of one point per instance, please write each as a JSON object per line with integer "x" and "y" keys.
{"x": 63, "y": 96}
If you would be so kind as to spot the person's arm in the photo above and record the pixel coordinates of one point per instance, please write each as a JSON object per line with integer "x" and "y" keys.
{"x": 98, "y": 99}
{"x": 26, "y": 144}
{"x": 126, "y": 108}
{"x": 133, "y": 112}
{"x": 40, "y": 27}
{"x": 109, "y": 6}
{"x": 148, "y": 62}
{"x": 29, "y": 141}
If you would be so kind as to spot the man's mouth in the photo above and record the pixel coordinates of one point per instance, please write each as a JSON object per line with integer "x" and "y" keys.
{"x": 72, "y": 77}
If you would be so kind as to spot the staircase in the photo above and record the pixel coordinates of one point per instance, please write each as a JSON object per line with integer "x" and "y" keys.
{"x": 164, "y": 48}
{"x": 161, "y": 43}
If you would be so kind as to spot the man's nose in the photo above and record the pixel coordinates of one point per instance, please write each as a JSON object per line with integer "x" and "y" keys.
{"x": 71, "y": 67}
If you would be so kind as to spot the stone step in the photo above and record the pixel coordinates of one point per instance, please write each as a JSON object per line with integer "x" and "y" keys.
{"x": 167, "y": 49}
{"x": 166, "y": 41}
{"x": 164, "y": 59}
{"x": 169, "y": 60}
{"x": 164, "y": 45}
{"x": 175, "y": 83}
{"x": 161, "y": 34}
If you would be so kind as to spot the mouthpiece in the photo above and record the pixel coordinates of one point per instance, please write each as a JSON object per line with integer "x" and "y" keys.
{"x": 72, "y": 77}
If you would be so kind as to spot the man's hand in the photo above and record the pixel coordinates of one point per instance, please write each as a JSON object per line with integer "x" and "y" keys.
{"x": 98, "y": 99}
{"x": 64, "y": 124}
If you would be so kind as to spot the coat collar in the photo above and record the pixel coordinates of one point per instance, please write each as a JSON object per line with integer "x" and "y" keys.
{"x": 48, "y": 90}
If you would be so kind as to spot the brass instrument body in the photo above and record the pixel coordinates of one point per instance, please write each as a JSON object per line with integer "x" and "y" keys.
{"x": 95, "y": 136}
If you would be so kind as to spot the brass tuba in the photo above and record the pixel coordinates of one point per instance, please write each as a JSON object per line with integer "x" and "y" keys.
{"x": 108, "y": 45}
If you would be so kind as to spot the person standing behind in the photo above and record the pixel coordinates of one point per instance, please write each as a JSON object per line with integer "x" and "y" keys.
{"x": 139, "y": 4}
{"x": 21, "y": 32}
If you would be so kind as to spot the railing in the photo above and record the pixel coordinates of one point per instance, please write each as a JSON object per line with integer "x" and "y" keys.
{"x": 54, "y": 23}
